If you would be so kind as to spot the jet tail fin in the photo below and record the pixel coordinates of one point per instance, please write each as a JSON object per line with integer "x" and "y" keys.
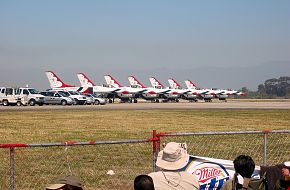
{"x": 173, "y": 84}
{"x": 112, "y": 82}
{"x": 155, "y": 83}
{"x": 134, "y": 82}
{"x": 84, "y": 80}
{"x": 55, "y": 81}
{"x": 190, "y": 85}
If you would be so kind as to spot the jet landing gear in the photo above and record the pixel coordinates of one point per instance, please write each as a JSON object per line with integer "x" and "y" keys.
{"x": 111, "y": 100}
{"x": 130, "y": 100}
{"x": 208, "y": 100}
{"x": 223, "y": 99}
{"x": 133, "y": 100}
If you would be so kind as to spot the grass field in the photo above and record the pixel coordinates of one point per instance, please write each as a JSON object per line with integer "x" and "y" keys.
{"x": 78, "y": 125}
{"x": 36, "y": 167}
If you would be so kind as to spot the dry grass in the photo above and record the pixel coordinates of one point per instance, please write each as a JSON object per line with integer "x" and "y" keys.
{"x": 77, "y": 125}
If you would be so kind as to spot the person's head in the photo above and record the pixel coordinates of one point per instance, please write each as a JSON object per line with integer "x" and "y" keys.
{"x": 66, "y": 183}
{"x": 172, "y": 157}
{"x": 143, "y": 182}
{"x": 286, "y": 169}
{"x": 244, "y": 165}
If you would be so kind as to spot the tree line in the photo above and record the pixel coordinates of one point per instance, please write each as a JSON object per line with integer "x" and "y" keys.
{"x": 272, "y": 88}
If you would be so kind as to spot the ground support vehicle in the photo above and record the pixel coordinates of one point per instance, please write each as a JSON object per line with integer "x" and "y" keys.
{"x": 11, "y": 96}
{"x": 23, "y": 101}
{"x": 34, "y": 97}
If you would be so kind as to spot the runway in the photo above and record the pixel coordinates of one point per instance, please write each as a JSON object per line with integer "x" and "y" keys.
{"x": 231, "y": 104}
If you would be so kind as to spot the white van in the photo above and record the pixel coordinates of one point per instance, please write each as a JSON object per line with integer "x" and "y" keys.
{"x": 11, "y": 96}
{"x": 34, "y": 97}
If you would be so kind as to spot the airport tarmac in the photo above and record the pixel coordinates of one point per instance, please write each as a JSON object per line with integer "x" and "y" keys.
{"x": 233, "y": 104}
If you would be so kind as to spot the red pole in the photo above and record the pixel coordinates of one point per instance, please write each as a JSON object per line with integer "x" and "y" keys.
{"x": 12, "y": 180}
{"x": 156, "y": 149}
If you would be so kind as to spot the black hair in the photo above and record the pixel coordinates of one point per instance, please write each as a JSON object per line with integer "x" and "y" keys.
{"x": 143, "y": 182}
{"x": 244, "y": 165}
{"x": 70, "y": 187}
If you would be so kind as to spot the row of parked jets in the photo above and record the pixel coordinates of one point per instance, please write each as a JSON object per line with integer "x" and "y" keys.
{"x": 156, "y": 93}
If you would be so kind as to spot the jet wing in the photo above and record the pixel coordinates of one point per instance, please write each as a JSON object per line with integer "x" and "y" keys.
{"x": 165, "y": 92}
{"x": 186, "y": 92}
{"x": 204, "y": 92}
{"x": 141, "y": 91}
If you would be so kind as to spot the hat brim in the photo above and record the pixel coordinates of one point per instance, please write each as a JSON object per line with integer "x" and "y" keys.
{"x": 55, "y": 186}
{"x": 172, "y": 165}
{"x": 287, "y": 163}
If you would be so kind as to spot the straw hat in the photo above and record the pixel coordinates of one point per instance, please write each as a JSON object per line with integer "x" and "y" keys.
{"x": 172, "y": 157}
{"x": 67, "y": 180}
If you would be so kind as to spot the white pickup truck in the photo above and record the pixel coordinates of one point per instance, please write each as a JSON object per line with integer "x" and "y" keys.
{"x": 11, "y": 96}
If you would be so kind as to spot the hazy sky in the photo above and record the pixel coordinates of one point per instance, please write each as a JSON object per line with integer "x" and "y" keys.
{"x": 163, "y": 38}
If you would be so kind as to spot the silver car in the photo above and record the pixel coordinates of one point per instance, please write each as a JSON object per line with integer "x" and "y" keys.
{"x": 90, "y": 100}
{"x": 97, "y": 100}
{"x": 57, "y": 98}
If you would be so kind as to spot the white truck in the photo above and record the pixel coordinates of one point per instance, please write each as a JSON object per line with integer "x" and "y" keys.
{"x": 34, "y": 97}
{"x": 11, "y": 96}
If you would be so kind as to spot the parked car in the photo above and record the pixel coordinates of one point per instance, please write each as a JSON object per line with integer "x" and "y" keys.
{"x": 96, "y": 100}
{"x": 77, "y": 96}
{"x": 60, "y": 98}
{"x": 90, "y": 100}
{"x": 34, "y": 97}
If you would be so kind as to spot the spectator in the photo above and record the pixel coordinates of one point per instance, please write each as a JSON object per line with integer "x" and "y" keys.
{"x": 284, "y": 182}
{"x": 170, "y": 160}
{"x": 244, "y": 165}
{"x": 143, "y": 182}
{"x": 286, "y": 171}
{"x": 275, "y": 174}
{"x": 66, "y": 183}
